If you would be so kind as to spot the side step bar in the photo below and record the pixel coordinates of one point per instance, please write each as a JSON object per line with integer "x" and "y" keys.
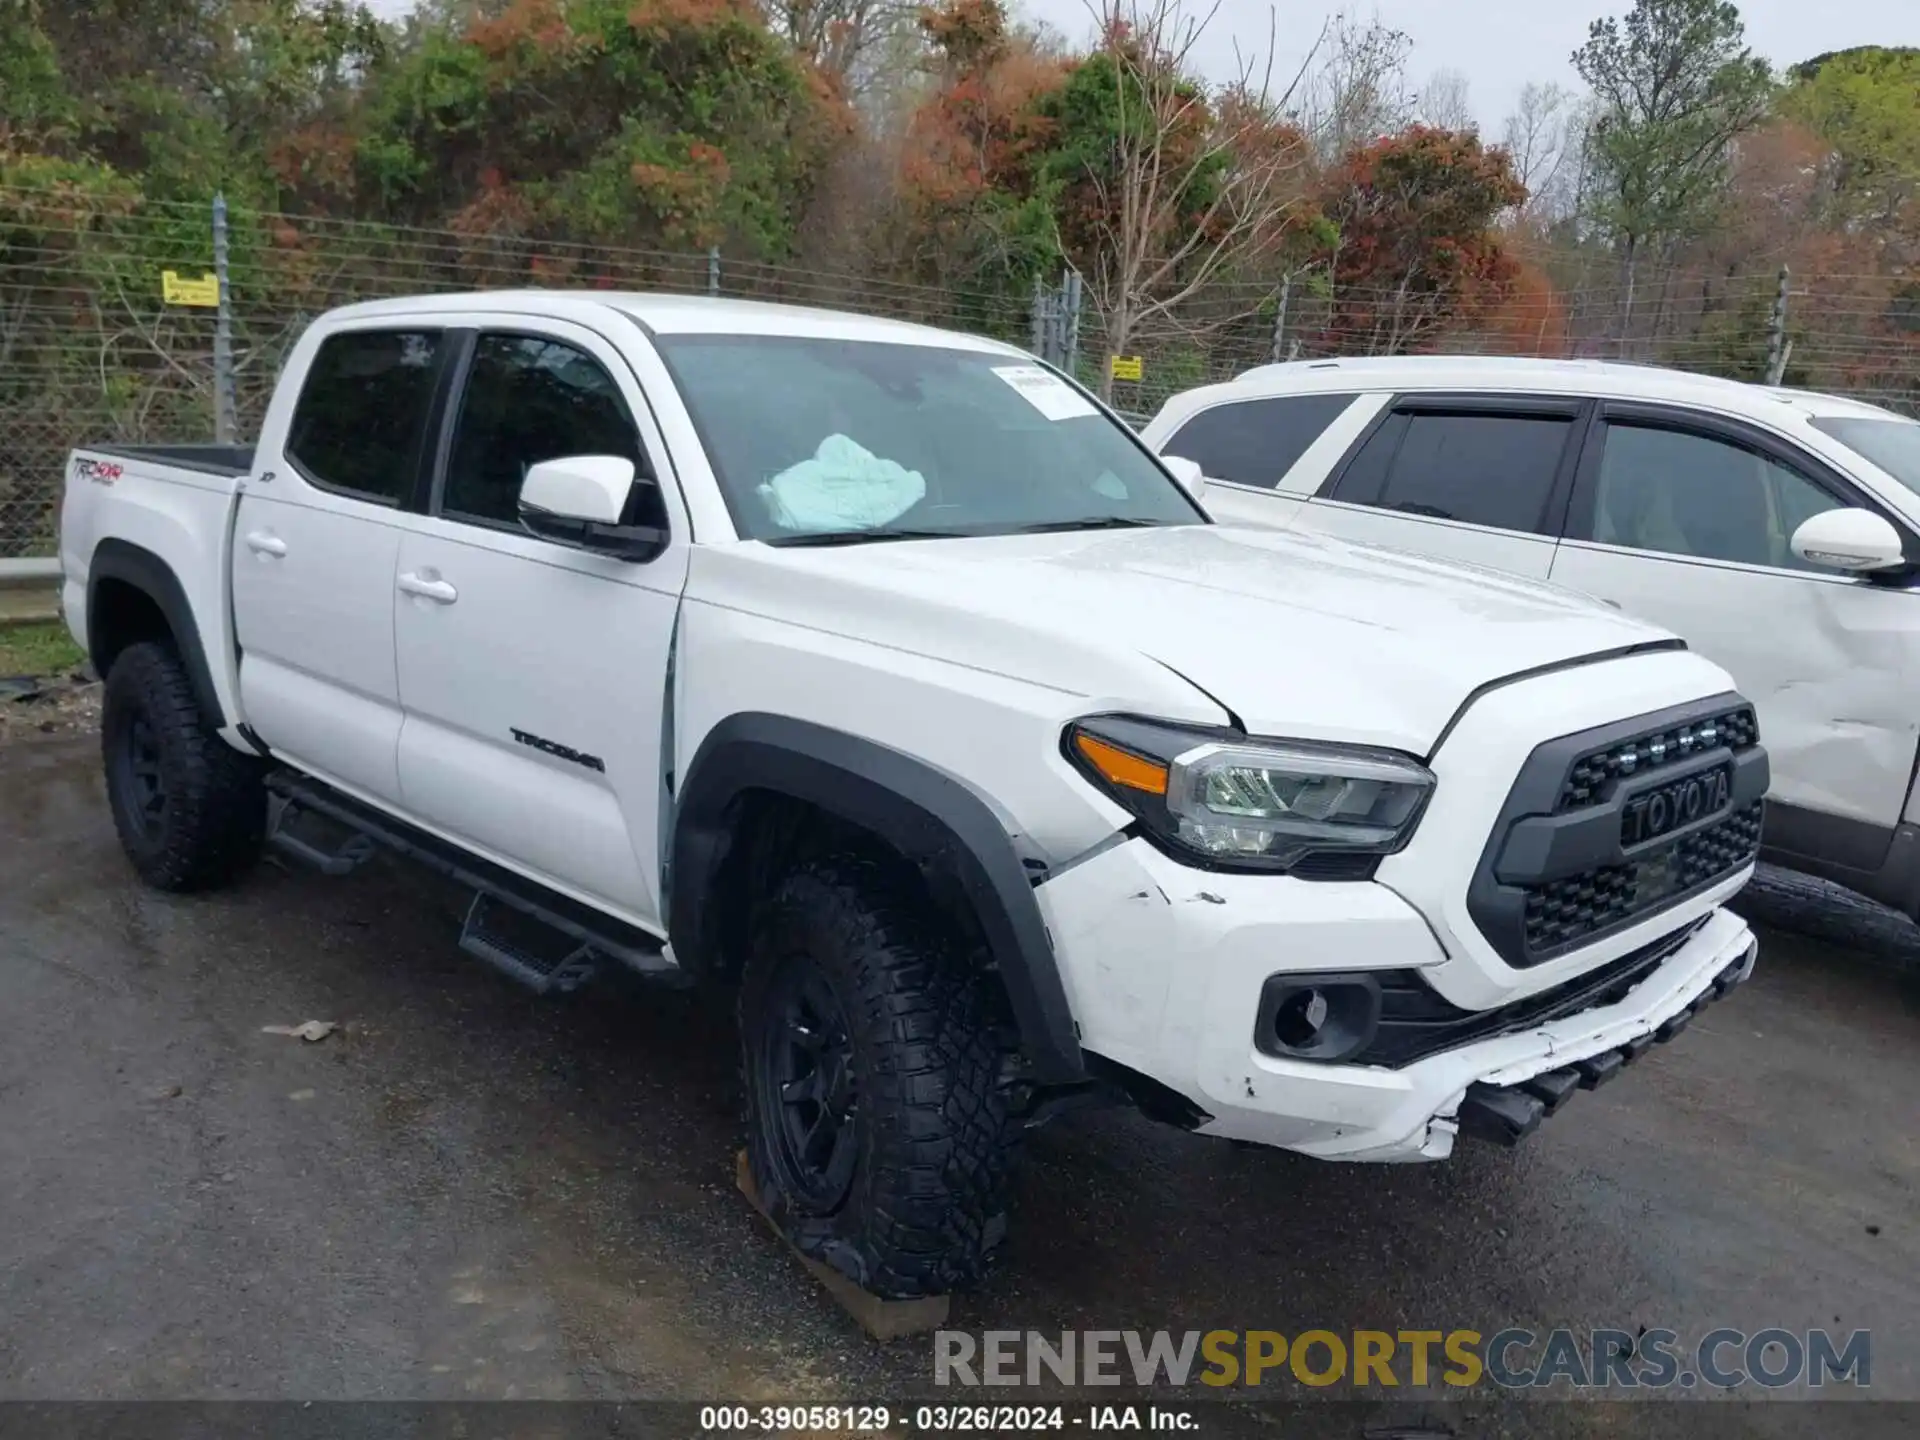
{"x": 545, "y": 941}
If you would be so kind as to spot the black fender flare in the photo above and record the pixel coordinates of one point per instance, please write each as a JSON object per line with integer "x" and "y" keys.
{"x": 949, "y": 832}
{"x": 146, "y": 572}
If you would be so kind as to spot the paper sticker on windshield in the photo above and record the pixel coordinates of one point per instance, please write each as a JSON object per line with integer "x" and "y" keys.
{"x": 1046, "y": 392}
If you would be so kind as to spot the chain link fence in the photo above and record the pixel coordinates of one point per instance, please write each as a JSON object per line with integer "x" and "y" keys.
{"x": 91, "y": 349}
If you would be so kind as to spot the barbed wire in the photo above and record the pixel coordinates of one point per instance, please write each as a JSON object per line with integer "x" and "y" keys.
{"x": 90, "y": 351}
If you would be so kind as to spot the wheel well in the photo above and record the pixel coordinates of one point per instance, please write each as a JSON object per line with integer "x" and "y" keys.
{"x": 122, "y": 614}
{"x": 771, "y": 834}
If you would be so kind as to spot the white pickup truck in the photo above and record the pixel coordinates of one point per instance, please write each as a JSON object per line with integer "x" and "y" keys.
{"x": 883, "y": 675}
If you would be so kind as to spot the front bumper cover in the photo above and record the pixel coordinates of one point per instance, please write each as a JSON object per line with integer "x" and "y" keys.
{"x": 1507, "y": 1114}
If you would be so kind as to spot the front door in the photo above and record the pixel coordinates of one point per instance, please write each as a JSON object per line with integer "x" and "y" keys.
{"x": 534, "y": 675}
{"x": 1479, "y": 479}
{"x": 315, "y": 546}
{"x": 1685, "y": 521}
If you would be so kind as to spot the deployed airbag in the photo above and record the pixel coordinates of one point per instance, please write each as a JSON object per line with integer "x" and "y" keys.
{"x": 843, "y": 487}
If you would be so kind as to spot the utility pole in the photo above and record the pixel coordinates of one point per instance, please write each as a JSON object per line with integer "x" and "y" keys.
{"x": 1278, "y": 350}
{"x": 1779, "y": 347}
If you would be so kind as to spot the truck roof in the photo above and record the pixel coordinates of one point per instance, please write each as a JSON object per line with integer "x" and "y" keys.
{"x": 680, "y": 315}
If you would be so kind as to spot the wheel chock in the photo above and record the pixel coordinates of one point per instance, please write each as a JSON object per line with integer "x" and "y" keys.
{"x": 882, "y": 1319}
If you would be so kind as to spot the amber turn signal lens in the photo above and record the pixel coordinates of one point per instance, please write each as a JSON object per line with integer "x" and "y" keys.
{"x": 1120, "y": 767}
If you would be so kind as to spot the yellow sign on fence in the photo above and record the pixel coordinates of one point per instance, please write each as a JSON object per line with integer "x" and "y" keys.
{"x": 1127, "y": 367}
{"x": 177, "y": 289}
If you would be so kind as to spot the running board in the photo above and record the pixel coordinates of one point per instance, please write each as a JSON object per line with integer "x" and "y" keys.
{"x": 533, "y": 935}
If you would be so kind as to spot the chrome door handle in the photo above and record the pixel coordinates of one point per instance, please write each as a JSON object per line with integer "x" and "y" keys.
{"x": 438, "y": 591}
{"x": 261, "y": 543}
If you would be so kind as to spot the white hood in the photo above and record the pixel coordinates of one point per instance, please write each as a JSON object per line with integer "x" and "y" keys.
{"x": 1297, "y": 635}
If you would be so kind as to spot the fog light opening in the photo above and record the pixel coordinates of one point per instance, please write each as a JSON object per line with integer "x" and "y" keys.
{"x": 1301, "y": 1017}
{"x": 1317, "y": 1017}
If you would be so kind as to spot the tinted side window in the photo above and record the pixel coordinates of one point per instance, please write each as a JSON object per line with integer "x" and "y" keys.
{"x": 1689, "y": 494}
{"x": 1255, "y": 442}
{"x": 358, "y": 422}
{"x": 527, "y": 400}
{"x": 1493, "y": 470}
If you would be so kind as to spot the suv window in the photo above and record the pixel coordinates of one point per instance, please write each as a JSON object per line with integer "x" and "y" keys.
{"x": 1687, "y": 494}
{"x": 1495, "y": 470}
{"x": 358, "y": 422}
{"x": 1255, "y": 442}
{"x": 530, "y": 399}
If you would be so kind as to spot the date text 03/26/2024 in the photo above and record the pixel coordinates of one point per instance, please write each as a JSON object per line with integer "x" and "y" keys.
{"x": 981, "y": 1419}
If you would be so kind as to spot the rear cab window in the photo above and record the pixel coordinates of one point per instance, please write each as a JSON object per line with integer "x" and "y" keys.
{"x": 358, "y": 425}
{"x": 1499, "y": 464}
{"x": 1256, "y": 442}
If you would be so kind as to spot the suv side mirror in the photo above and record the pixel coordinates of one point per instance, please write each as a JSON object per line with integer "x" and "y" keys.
{"x": 581, "y": 499}
{"x": 1855, "y": 540}
{"x": 1187, "y": 473}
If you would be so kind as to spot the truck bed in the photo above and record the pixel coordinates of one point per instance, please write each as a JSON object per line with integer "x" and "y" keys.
{"x": 232, "y": 461}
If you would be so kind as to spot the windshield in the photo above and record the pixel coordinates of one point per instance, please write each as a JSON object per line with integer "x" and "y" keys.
{"x": 825, "y": 441}
{"x": 1892, "y": 444}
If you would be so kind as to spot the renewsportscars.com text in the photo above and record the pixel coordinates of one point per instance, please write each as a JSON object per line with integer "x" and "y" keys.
{"x": 1514, "y": 1359}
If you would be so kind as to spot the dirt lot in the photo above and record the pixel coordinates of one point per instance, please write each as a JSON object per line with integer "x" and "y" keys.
{"x": 463, "y": 1192}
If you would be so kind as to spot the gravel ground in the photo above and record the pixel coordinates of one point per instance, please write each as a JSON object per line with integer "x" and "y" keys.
{"x": 462, "y": 1193}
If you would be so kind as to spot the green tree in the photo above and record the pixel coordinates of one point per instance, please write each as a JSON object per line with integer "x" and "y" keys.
{"x": 1676, "y": 86}
{"x": 683, "y": 122}
{"x": 1865, "y": 105}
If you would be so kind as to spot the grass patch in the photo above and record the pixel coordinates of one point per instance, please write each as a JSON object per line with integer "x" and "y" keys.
{"x": 43, "y": 648}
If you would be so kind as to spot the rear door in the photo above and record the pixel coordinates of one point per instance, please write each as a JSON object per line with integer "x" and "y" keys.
{"x": 315, "y": 545}
{"x": 1478, "y": 478}
{"x": 1684, "y": 518}
{"x": 534, "y": 675}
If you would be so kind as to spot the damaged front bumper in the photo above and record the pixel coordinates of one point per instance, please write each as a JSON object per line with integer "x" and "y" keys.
{"x": 1165, "y": 968}
{"x": 1501, "y": 1089}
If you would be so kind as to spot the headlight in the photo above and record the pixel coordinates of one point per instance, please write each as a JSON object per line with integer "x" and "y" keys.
{"x": 1249, "y": 804}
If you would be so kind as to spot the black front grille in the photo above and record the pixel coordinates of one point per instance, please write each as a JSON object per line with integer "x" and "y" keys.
{"x": 1416, "y": 1022}
{"x": 1593, "y": 773}
{"x": 1561, "y": 912}
{"x": 1560, "y": 870}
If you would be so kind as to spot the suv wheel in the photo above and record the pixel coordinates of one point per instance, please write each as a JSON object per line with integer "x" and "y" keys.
{"x": 190, "y": 809}
{"x": 878, "y": 1127}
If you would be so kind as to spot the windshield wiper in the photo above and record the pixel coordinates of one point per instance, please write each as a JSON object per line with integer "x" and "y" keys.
{"x": 1089, "y": 522}
{"x": 862, "y": 537}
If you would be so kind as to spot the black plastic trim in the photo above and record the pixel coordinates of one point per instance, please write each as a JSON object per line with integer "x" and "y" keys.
{"x": 130, "y": 564}
{"x": 1531, "y": 844}
{"x": 944, "y": 828}
{"x": 1350, "y": 1028}
{"x": 1828, "y": 847}
{"x": 1416, "y": 1022}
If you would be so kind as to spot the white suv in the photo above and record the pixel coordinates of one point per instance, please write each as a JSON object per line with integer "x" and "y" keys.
{"x": 1777, "y": 531}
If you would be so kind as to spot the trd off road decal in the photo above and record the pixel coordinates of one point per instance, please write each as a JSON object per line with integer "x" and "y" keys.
{"x": 100, "y": 472}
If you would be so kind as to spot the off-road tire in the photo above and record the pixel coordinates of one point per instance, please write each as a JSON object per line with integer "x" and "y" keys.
{"x": 207, "y": 827}
{"x": 930, "y": 1050}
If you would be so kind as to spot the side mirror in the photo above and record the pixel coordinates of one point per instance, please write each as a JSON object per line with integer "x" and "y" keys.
{"x": 580, "y": 499}
{"x": 1856, "y": 540}
{"x": 1187, "y": 473}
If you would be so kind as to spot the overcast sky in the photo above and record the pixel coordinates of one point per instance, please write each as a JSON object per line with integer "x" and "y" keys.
{"x": 1499, "y": 45}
